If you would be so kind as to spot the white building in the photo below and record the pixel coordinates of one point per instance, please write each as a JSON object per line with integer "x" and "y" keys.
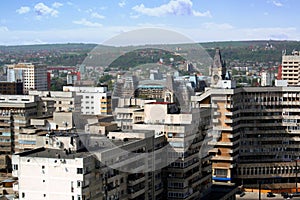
{"x": 95, "y": 100}
{"x": 290, "y": 68}
{"x": 57, "y": 175}
{"x": 33, "y": 76}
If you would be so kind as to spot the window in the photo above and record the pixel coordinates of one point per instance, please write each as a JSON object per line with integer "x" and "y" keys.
{"x": 79, "y": 170}
{"x": 15, "y": 167}
{"x": 78, "y": 183}
{"x": 78, "y": 197}
{"x": 44, "y": 195}
{"x": 43, "y": 166}
{"x": 23, "y": 195}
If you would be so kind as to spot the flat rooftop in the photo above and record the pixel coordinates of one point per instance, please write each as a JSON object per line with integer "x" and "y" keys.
{"x": 53, "y": 153}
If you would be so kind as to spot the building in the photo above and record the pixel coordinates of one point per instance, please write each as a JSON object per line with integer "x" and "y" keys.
{"x": 56, "y": 174}
{"x": 94, "y": 100}
{"x": 188, "y": 173}
{"x": 73, "y": 77}
{"x": 11, "y": 88}
{"x": 290, "y": 68}
{"x": 15, "y": 113}
{"x": 33, "y": 76}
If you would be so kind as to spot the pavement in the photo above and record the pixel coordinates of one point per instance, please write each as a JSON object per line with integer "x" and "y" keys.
{"x": 254, "y": 196}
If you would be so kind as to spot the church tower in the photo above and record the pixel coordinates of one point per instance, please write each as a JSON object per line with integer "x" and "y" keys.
{"x": 217, "y": 70}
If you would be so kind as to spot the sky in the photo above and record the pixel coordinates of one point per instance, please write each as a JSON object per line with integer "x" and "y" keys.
{"x": 96, "y": 21}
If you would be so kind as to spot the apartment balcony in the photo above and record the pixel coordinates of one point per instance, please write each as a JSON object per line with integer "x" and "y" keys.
{"x": 222, "y": 158}
{"x": 136, "y": 181}
{"x": 229, "y": 106}
{"x": 133, "y": 194}
{"x": 228, "y": 113}
{"x": 16, "y": 186}
{"x": 217, "y": 113}
{"x": 228, "y": 121}
{"x": 215, "y": 121}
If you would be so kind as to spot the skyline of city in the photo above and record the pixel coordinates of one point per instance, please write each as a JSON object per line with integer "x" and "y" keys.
{"x": 38, "y": 22}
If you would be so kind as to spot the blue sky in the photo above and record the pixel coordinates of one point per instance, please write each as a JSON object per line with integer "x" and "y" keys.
{"x": 95, "y": 21}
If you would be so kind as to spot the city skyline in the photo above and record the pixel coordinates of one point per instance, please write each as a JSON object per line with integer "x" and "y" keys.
{"x": 60, "y": 21}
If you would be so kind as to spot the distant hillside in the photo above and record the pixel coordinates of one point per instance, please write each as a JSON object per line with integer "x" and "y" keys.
{"x": 73, "y": 54}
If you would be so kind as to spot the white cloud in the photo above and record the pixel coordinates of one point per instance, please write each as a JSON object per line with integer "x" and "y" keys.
{"x": 122, "y": 3}
{"x": 57, "y": 4}
{"x": 97, "y": 15}
{"x": 277, "y": 3}
{"x": 23, "y": 10}
{"x": 215, "y": 26}
{"x": 85, "y": 22}
{"x": 3, "y": 29}
{"x": 173, "y": 7}
{"x": 42, "y": 9}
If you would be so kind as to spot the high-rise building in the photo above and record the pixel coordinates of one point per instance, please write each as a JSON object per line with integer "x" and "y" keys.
{"x": 33, "y": 76}
{"x": 15, "y": 113}
{"x": 291, "y": 68}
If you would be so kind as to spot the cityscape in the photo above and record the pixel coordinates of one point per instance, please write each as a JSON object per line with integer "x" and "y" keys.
{"x": 126, "y": 100}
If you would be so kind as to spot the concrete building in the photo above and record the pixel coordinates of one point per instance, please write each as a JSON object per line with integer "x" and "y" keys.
{"x": 11, "y": 88}
{"x": 257, "y": 135}
{"x": 188, "y": 176}
{"x": 15, "y": 113}
{"x": 33, "y": 76}
{"x": 56, "y": 174}
{"x": 94, "y": 101}
{"x": 290, "y": 68}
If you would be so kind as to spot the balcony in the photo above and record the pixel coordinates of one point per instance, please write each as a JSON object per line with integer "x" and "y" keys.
{"x": 228, "y": 121}
{"x": 215, "y": 121}
{"x": 16, "y": 186}
{"x": 228, "y": 113}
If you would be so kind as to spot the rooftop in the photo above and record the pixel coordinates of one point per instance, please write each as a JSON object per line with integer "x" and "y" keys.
{"x": 53, "y": 153}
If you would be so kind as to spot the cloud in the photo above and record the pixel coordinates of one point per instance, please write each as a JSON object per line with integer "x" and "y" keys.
{"x": 57, "y": 4}
{"x": 215, "y": 26}
{"x": 277, "y": 3}
{"x": 173, "y": 7}
{"x": 122, "y": 3}
{"x": 23, "y": 10}
{"x": 97, "y": 15}
{"x": 3, "y": 29}
{"x": 85, "y": 22}
{"x": 41, "y": 9}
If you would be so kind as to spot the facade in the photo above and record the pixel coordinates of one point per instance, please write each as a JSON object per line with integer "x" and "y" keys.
{"x": 57, "y": 175}
{"x": 257, "y": 135}
{"x": 15, "y": 113}
{"x": 33, "y": 76}
{"x": 94, "y": 100}
{"x": 290, "y": 68}
{"x": 188, "y": 176}
{"x": 11, "y": 88}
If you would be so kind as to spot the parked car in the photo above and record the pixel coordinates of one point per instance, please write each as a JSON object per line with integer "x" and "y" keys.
{"x": 270, "y": 194}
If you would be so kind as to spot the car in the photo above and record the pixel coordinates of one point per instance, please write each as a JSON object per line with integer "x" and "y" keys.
{"x": 270, "y": 194}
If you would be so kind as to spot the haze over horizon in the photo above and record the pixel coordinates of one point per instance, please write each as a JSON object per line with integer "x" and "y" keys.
{"x": 75, "y": 21}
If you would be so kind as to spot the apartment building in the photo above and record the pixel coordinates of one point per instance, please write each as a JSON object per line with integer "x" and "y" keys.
{"x": 256, "y": 135}
{"x": 33, "y": 76}
{"x": 290, "y": 68}
{"x": 117, "y": 167}
{"x": 269, "y": 131}
{"x": 94, "y": 101}
{"x": 188, "y": 173}
{"x": 15, "y": 113}
{"x": 11, "y": 88}
{"x": 56, "y": 174}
